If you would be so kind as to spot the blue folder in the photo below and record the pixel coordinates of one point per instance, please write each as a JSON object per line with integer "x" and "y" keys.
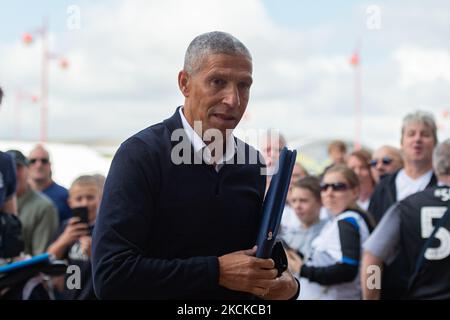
{"x": 42, "y": 258}
{"x": 274, "y": 203}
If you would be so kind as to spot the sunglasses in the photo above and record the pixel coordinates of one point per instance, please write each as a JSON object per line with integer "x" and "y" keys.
{"x": 42, "y": 160}
{"x": 337, "y": 186}
{"x": 385, "y": 161}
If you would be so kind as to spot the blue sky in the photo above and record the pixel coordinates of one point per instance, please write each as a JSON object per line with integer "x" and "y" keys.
{"x": 124, "y": 61}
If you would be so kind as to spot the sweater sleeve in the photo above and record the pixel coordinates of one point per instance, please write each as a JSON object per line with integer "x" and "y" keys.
{"x": 345, "y": 270}
{"x": 123, "y": 266}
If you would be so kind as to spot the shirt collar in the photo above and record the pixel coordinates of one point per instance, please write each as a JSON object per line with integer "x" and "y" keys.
{"x": 198, "y": 144}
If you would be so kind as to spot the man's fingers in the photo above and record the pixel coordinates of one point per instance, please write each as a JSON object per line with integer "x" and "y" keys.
{"x": 264, "y": 274}
{"x": 74, "y": 220}
{"x": 79, "y": 226}
{"x": 265, "y": 263}
{"x": 79, "y": 233}
{"x": 265, "y": 283}
{"x": 263, "y": 287}
{"x": 260, "y": 292}
{"x": 250, "y": 252}
{"x": 260, "y": 263}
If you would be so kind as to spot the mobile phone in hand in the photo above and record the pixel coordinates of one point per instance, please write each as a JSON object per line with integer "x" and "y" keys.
{"x": 82, "y": 213}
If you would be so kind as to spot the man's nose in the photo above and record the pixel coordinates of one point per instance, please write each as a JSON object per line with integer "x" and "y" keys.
{"x": 232, "y": 96}
{"x": 418, "y": 137}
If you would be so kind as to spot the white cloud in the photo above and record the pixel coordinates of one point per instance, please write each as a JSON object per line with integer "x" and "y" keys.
{"x": 125, "y": 59}
{"x": 422, "y": 65}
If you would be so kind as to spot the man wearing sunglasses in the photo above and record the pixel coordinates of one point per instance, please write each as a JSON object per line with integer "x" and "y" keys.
{"x": 385, "y": 160}
{"x": 41, "y": 180}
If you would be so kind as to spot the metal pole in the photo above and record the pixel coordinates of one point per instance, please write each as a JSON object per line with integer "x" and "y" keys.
{"x": 357, "y": 143}
{"x": 358, "y": 95}
{"x": 44, "y": 82}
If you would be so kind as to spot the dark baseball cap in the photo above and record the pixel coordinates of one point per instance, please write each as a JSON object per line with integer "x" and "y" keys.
{"x": 18, "y": 157}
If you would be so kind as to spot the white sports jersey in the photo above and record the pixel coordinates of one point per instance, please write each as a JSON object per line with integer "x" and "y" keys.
{"x": 327, "y": 250}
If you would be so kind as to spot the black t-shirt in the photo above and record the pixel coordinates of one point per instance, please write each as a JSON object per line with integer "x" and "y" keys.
{"x": 419, "y": 215}
{"x": 76, "y": 257}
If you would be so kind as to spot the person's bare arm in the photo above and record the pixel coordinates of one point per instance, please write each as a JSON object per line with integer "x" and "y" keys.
{"x": 371, "y": 272}
{"x": 381, "y": 247}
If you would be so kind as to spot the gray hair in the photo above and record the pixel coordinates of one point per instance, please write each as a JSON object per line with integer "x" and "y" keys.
{"x": 441, "y": 158}
{"x": 215, "y": 42}
{"x": 424, "y": 117}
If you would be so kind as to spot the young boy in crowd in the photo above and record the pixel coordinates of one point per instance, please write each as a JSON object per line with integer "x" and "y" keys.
{"x": 74, "y": 240}
{"x": 305, "y": 200}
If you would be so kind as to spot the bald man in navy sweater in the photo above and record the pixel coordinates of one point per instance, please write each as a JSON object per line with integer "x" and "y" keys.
{"x": 182, "y": 201}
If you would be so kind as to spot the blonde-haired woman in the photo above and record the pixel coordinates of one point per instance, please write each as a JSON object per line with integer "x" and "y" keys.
{"x": 332, "y": 270}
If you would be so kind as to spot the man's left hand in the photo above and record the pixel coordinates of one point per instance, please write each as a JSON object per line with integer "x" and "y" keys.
{"x": 283, "y": 288}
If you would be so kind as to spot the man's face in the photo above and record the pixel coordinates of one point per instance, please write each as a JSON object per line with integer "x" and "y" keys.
{"x": 40, "y": 166}
{"x": 385, "y": 161}
{"x": 217, "y": 95}
{"x": 85, "y": 196}
{"x": 417, "y": 143}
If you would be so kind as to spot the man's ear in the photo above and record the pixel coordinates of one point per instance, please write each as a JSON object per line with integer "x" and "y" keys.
{"x": 183, "y": 83}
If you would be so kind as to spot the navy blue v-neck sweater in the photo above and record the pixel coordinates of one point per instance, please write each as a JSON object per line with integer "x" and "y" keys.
{"x": 162, "y": 226}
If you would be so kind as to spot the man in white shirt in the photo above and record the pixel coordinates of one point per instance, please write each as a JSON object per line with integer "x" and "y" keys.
{"x": 419, "y": 137}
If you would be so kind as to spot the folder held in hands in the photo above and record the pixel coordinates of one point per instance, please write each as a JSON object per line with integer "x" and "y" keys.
{"x": 274, "y": 203}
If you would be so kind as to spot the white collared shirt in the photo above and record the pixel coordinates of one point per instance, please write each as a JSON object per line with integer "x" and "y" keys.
{"x": 407, "y": 186}
{"x": 200, "y": 146}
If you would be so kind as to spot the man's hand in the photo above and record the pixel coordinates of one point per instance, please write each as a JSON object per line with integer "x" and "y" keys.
{"x": 72, "y": 233}
{"x": 241, "y": 271}
{"x": 284, "y": 288}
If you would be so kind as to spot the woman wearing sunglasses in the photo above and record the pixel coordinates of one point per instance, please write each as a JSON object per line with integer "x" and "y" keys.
{"x": 331, "y": 272}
